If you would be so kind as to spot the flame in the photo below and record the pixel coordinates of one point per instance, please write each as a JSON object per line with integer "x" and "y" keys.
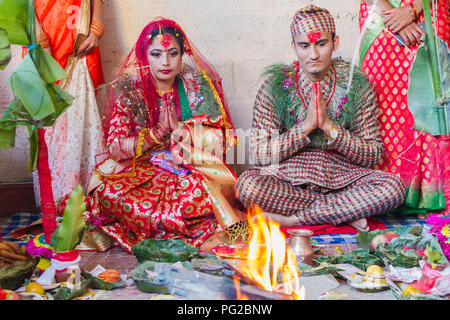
{"x": 268, "y": 256}
{"x": 237, "y": 284}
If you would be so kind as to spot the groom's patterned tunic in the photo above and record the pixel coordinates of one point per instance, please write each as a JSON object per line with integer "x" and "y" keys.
{"x": 319, "y": 181}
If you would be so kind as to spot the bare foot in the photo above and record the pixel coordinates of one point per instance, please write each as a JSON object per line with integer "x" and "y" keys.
{"x": 360, "y": 225}
{"x": 424, "y": 216}
{"x": 283, "y": 221}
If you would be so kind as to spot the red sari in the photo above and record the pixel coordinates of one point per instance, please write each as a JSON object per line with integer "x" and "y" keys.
{"x": 57, "y": 18}
{"x": 412, "y": 155}
{"x": 68, "y": 148}
{"x": 139, "y": 191}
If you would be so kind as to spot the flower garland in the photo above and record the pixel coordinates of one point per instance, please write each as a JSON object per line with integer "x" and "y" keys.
{"x": 288, "y": 83}
{"x": 440, "y": 226}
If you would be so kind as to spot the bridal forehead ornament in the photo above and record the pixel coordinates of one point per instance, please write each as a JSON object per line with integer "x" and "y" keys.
{"x": 312, "y": 20}
{"x": 165, "y": 40}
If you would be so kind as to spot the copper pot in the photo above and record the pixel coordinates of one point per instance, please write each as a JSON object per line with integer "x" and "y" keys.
{"x": 300, "y": 244}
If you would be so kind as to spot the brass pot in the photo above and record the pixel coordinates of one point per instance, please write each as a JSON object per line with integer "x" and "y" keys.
{"x": 300, "y": 243}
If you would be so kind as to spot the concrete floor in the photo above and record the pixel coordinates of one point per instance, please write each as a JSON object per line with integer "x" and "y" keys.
{"x": 118, "y": 259}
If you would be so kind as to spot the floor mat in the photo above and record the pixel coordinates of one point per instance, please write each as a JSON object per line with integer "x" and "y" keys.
{"x": 16, "y": 221}
{"x": 390, "y": 221}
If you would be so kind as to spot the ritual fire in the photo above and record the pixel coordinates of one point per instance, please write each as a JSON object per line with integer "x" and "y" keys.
{"x": 270, "y": 263}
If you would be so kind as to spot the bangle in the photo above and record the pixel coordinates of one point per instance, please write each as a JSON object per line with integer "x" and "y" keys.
{"x": 43, "y": 40}
{"x": 413, "y": 9}
{"x": 152, "y": 136}
{"x": 97, "y": 29}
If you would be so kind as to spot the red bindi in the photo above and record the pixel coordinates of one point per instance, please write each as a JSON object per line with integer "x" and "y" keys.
{"x": 314, "y": 36}
{"x": 166, "y": 41}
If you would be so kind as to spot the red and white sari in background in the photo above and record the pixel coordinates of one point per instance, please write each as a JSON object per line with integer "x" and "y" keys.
{"x": 76, "y": 136}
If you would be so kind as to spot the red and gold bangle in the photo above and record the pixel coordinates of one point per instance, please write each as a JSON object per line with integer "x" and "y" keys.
{"x": 43, "y": 40}
{"x": 153, "y": 138}
{"x": 413, "y": 9}
{"x": 97, "y": 29}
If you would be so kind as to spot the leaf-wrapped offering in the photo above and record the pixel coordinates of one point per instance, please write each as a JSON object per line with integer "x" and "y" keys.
{"x": 64, "y": 293}
{"x": 360, "y": 258}
{"x": 210, "y": 265}
{"x": 164, "y": 250}
{"x": 13, "y": 276}
{"x": 102, "y": 284}
{"x": 364, "y": 238}
{"x": 306, "y": 270}
{"x": 402, "y": 251}
{"x": 146, "y": 279}
{"x": 397, "y": 257}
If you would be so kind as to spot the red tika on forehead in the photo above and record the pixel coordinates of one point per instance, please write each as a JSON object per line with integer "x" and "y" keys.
{"x": 314, "y": 36}
{"x": 166, "y": 41}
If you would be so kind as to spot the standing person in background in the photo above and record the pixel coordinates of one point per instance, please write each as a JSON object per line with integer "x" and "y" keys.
{"x": 70, "y": 31}
{"x": 410, "y": 154}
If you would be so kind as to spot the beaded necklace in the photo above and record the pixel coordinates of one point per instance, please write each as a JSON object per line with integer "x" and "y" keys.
{"x": 300, "y": 94}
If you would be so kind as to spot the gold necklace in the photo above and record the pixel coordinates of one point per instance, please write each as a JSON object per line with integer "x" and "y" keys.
{"x": 161, "y": 93}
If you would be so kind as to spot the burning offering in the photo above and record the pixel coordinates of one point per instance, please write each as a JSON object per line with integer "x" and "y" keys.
{"x": 269, "y": 264}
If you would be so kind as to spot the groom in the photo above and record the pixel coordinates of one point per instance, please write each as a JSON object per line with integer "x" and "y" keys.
{"x": 315, "y": 138}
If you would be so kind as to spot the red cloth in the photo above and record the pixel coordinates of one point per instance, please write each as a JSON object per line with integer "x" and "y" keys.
{"x": 58, "y": 19}
{"x": 48, "y": 206}
{"x": 373, "y": 224}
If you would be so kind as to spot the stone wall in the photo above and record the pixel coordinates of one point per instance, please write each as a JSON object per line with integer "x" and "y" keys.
{"x": 239, "y": 37}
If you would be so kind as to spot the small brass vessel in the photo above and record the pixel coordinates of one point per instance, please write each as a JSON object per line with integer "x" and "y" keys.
{"x": 300, "y": 244}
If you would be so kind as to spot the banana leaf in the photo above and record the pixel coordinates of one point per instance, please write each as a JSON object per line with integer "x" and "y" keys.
{"x": 164, "y": 250}
{"x": 16, "y": 115}
{"x": 13, "y": 116}
{"x": 14, "y": 19}
{"x": 49, "y": 69}
{"x": 5, "y": 49}
{"x": 422, "y": 100}
{"x": 70, "y": 231}
{"x": 30, "y": 89}
{"x": 33, "y": 140}
{"x": 7, "y": 138}
{"x": 13, "y": 276}
{"x": 61, "y": 101}
{"x": 38, "y": 100}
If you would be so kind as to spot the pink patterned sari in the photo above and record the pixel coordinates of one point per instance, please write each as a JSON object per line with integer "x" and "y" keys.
{"x": 417, "y": 157}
